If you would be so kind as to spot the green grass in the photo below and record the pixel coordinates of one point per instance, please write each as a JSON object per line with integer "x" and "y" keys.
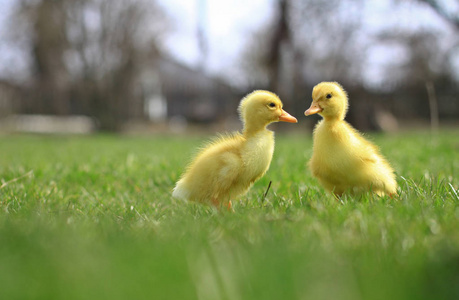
{"x": 92, "y": 218}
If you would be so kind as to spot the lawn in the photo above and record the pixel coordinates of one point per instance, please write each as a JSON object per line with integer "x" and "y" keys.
{"x": 91, "y": 217}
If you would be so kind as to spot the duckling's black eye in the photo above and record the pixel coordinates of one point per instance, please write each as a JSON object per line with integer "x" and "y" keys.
{"x": 329, "y": 96}
{"x": 272, "y": 104}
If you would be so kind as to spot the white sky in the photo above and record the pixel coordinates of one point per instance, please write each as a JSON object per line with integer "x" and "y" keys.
{"x": 228, "y": 22}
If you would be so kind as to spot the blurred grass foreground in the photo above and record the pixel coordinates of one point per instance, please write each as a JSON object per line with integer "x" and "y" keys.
{"x": 91, "y": 217}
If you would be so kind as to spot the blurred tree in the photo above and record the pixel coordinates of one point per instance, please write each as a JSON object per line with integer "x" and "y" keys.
{"x": 48, "y": 44}
{"x": 442, "y": 9}
{"x": 322, "y": 37}
{"x": 264, "y": 57}
{"x": 311, "y": 41}
{"x": 428, "y": 64}
{"x": 280, "y": 40}
{"x": 88, "y": 55}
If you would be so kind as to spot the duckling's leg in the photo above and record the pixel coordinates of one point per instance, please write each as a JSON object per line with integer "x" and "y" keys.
{"x": 215, "y": 201}
{"x": 218, "y": 204}
{"x": 380, "y": 193}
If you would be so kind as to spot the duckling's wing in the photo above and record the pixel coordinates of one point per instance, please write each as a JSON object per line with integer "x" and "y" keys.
{"x": 363, "y": 148}
{"x": 229, "y": 170}
{"x": 369, "y": 154}
{"x": 210, "y": 177}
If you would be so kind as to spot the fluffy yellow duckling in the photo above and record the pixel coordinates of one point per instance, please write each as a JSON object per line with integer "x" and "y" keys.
{"x": 228, "y": 166}
{"x": 342, "y": 160}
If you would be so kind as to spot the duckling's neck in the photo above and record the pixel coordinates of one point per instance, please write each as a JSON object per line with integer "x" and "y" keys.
{"x": 251, "y": 129}
{"x": 333, "y": 119}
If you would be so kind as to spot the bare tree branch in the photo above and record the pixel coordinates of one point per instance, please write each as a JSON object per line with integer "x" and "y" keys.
{"x": 442, "y": 11}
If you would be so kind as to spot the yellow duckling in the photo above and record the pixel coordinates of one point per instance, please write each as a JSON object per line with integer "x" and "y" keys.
{"x": 228, "y": 166}
{"x": 342, "y": 160}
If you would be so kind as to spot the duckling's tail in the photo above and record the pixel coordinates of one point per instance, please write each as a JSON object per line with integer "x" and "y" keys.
{"x": 180, "y": 192}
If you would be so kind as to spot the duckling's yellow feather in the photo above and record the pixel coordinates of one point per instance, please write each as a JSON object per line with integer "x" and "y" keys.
{"x": 343, "y": 160}
{"x": 228, "y": 166}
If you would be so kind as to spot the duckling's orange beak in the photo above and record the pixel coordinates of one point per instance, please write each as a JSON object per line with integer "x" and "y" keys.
{"x": 286, "y": 117}
{"x": 314, "y": 109}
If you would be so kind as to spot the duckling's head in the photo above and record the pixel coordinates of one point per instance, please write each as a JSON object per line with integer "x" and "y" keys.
{"x": 261, "y": 108}
{"x": 329, "y": 100}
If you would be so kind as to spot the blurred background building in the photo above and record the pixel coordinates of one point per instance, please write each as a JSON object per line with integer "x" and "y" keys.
{"x": 160, "y": 62}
